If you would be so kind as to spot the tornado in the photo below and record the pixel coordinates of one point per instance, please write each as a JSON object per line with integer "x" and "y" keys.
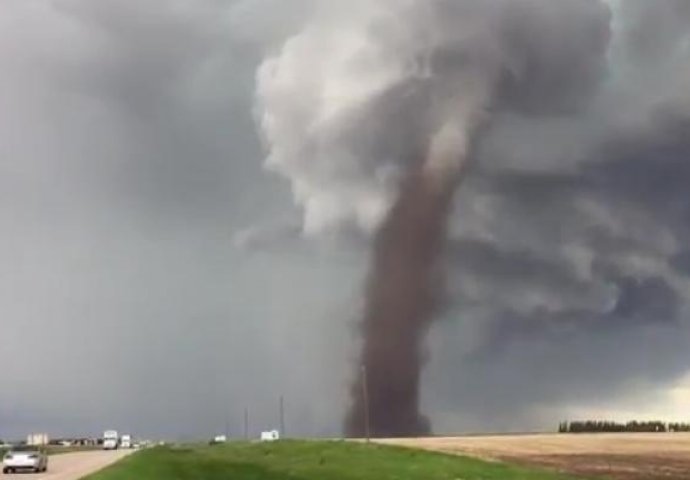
{"x": 402, "y": 296}
{"x": 371, "y": 110}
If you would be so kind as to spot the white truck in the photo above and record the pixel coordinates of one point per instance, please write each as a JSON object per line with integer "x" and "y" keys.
{"x": 110, "y": 440}
{"x": 125, "y": 441}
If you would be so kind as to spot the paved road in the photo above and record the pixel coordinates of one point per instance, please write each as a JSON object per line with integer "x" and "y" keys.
{"x": 73, "y": 466}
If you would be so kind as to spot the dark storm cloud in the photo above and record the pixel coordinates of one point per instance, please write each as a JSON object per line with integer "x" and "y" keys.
{"x": 681, "y": 262}
{"x": 511, "y": 274}
{"x": 129, "y": 161}
{"x": 650, "y": 173}
{"x": 655, "y": 29}
{"x": 551, "y": 73}
{"x": 557, "y": 292}
{"x": 545, "y": 360}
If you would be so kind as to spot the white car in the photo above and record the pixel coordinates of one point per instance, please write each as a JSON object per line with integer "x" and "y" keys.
{"x": 25, "y": 458}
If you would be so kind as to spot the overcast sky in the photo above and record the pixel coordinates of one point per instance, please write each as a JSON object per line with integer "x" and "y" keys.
{"x": 157, "y": 278}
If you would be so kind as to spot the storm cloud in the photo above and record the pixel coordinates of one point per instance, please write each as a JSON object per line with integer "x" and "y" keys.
{"x": 129, "y": 163}
{"x": 156, "y": 278}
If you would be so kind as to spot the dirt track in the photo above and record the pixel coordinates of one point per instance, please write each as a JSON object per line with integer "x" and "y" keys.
{"x": 73, "y": 466}
{"x": 616, "y": 456}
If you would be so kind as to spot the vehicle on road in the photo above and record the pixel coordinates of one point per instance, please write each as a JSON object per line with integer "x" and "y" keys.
{"x": 25, "y": 458}
{"x": 219, "y": 439}
{"x": 110, "y": 440}
{"x": 126, "y": 441}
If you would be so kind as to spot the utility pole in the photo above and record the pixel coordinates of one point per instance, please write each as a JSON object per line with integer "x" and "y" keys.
{"x": 282, "y": 418}
{"x": 246, "y": 423}
{"x": 365, "y": 401}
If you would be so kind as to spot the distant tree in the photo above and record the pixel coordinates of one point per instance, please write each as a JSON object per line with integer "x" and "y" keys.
{"x": 679, "y": 427}
{"x": 599, "y": 426}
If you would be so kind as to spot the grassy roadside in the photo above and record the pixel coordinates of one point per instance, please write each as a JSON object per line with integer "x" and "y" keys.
{"x": 298, "y": 460}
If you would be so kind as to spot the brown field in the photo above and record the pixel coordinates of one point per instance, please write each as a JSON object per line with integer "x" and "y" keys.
{"x": 649, "y": 456}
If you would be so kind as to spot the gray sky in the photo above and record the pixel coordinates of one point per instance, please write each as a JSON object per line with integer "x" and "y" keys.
{"x": 156, "y": 280}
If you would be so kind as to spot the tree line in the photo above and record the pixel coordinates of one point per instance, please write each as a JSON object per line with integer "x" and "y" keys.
{"x": 598, "y": 426}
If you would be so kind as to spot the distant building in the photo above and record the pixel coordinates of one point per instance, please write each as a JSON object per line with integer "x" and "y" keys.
{"x": 37, "y": 439}
{"x": 270, "y": 436}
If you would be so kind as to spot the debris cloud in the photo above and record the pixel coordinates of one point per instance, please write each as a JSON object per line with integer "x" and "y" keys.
{"x": 402, "y": 296}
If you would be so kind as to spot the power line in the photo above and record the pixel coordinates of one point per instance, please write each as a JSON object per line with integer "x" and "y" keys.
{"x": 282, "y": 417}
{"x": 365, "y": 400}
{"x": 246, "y": 423}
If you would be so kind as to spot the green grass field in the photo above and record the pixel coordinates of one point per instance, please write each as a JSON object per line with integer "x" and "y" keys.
{"x": 299, "y": 460}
